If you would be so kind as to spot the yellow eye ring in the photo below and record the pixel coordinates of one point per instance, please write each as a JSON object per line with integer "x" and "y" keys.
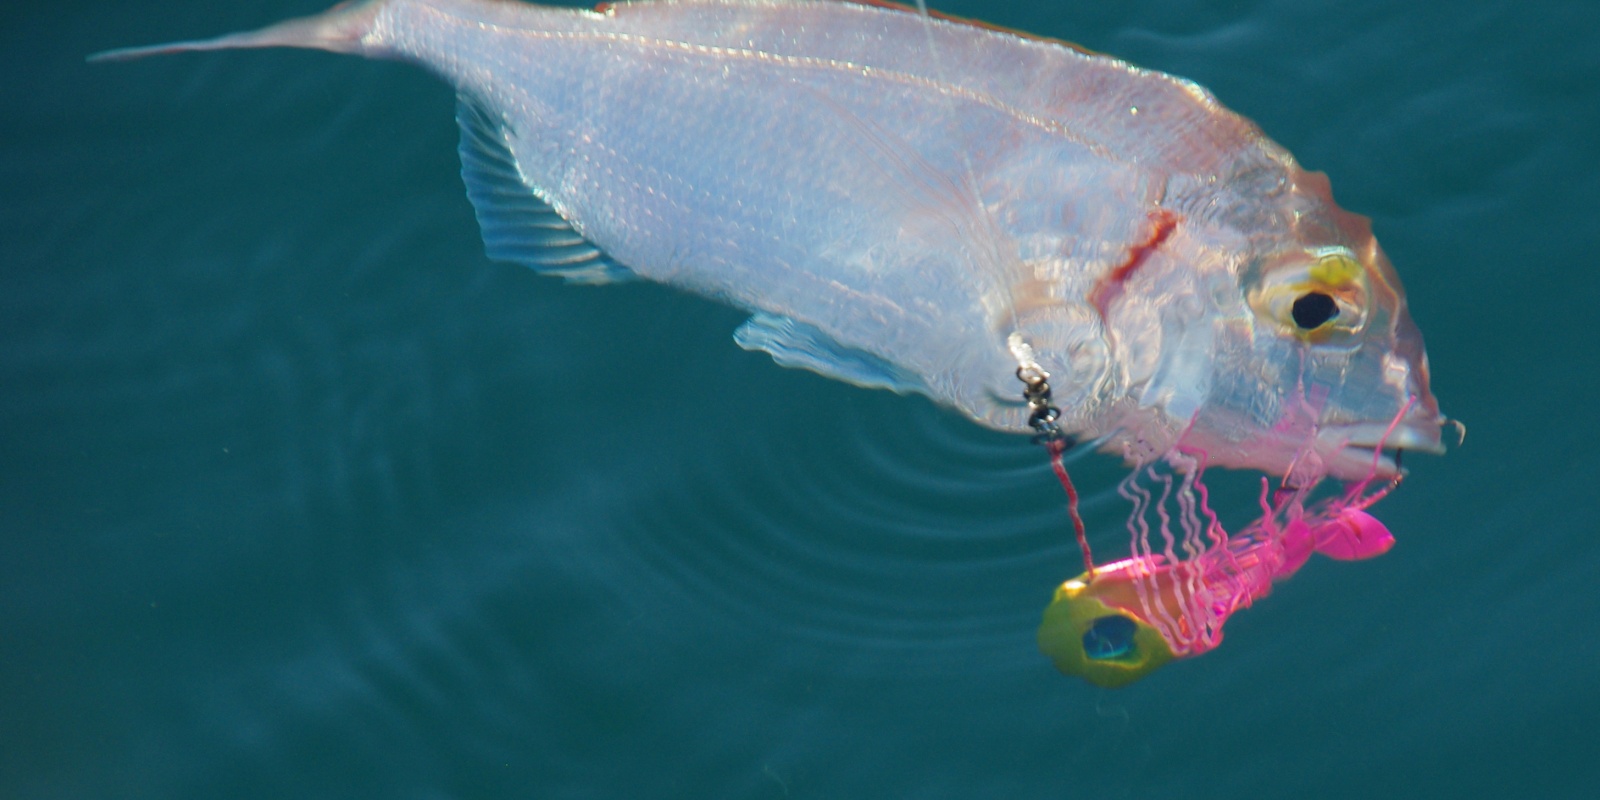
{"x": 1314, "y": 294}
{"x": 1335, "y": 270}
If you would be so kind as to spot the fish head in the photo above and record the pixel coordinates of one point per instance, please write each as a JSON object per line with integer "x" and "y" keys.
{"x": 1289, "y": 350}
{"x": 1330, "y": 321}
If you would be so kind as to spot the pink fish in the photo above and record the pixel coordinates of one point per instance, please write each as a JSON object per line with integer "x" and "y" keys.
{"x": 1042, "y": 238}
{"x": 930, "y": 206}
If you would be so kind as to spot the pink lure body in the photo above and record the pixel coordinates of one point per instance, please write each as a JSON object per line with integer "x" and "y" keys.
{"x": 1189, "y": 601}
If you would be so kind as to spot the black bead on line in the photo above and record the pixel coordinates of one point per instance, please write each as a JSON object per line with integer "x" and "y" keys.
{"x": 1042, "y": 415}
{"x": 1042, "y": 418}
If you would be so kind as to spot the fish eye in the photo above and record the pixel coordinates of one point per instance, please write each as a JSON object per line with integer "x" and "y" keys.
{"x": 1319, "y": 296}
{"x": 1109, "y": 637}
{"x": 1312, "y": 309}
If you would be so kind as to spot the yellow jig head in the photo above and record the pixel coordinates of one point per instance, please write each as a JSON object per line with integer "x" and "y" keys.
{"x": 1105, "y": 645}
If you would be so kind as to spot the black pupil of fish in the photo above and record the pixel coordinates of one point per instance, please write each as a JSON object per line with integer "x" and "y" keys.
{"x": 1312, "y": 309}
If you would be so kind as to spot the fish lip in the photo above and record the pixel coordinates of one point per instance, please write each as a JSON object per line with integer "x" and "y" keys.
{"x": 1369, "y": 437}
{"x": 1360, "y": 448}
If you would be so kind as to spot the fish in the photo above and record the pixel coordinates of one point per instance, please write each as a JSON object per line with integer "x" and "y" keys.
{"x": 1035, "y": 235}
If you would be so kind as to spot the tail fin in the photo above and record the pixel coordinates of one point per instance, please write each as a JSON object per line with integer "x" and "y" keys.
{"x": 338, "y": 30}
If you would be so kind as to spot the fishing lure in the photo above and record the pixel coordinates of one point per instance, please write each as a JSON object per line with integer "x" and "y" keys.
{"x": 1118, "y": 622}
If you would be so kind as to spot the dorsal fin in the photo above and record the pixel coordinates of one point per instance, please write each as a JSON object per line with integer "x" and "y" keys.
{"x": 517, "y": 225}
{"x": 911, "y": 8}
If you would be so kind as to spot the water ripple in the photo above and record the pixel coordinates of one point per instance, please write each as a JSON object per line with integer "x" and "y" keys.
{"x": 903, "y": 529}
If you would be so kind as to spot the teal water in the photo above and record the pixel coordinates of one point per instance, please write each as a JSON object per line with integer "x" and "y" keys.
{"x": 300, "y": 496}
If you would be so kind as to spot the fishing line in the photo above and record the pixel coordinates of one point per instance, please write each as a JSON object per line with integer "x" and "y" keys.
{"x": 1042, "y": 415}
{"x": 1042, "y": 418}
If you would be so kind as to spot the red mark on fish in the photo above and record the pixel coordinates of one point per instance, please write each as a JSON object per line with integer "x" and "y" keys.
{"x": 1160, "y": 225}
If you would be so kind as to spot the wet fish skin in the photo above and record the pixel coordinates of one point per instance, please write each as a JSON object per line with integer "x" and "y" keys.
{"x": 926, "y": 205}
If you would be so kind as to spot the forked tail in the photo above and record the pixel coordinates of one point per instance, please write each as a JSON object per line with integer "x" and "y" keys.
{"x": 340, "y": 29}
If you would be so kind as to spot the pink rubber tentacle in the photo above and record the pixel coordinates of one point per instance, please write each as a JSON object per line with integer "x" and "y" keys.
{"x": 1263, "y": 538}
{"x": 1352, "y": 496}
{"x": 1221, "y": 549}
{"x": 1277, "y": 532}
{"x": 1188, "y": 519}
{"x": 1195, "y": 543}
{"x": 1130, "y": 491}
{"x": 1185, "y": 578}
{"x": 1214, "y": 529}
{"x": 1200, "y": 456}
{"x": 1217, "y": 579}
{"x": 1266, "y": 508}
{"x": 1219, "y": 536}
{"x": 1162, "y": 515}
{"x": 1189, "y": 515}
{"x": 1145, "y": 584}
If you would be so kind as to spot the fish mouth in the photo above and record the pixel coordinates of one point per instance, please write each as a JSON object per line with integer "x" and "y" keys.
{"x": 1355, "y": 450}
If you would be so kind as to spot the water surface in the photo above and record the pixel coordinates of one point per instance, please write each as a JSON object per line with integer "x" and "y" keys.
{"x": 302, "y": 496}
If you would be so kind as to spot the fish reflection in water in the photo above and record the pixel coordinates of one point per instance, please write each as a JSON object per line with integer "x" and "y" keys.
{"x": 1050, "y": 241}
